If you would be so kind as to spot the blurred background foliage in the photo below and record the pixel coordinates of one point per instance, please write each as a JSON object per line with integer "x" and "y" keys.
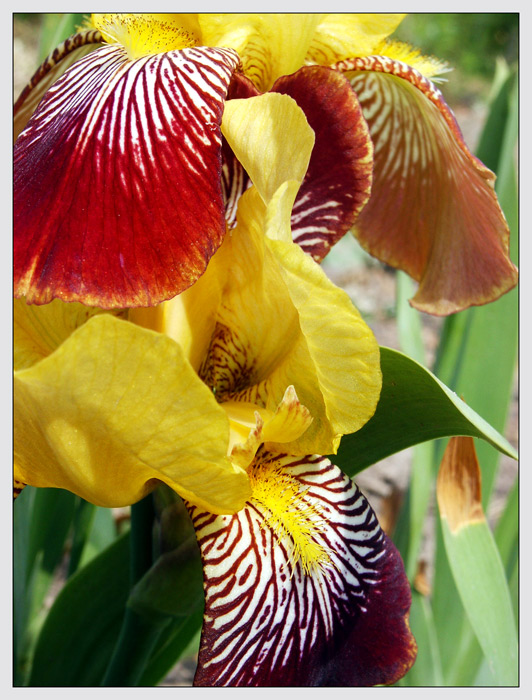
{"x": 470, "y": 42}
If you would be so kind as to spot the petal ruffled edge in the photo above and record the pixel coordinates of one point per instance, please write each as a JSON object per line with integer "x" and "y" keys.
{"x": 116, "y": 205}
{"x": 433, "y": 211}
{"x": 115, "y": 410}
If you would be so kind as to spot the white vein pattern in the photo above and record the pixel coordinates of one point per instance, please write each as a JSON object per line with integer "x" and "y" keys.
{"x": 267, "y": 625}
{"x": 138, "y": 139}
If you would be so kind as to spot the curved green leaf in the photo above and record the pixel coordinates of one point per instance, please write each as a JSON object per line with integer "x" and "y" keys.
{"x": 414, "y": 407}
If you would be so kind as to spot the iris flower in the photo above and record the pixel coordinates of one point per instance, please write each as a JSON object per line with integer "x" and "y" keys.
{"x": 123, "y": 181}
{"x": 228, "y": 393}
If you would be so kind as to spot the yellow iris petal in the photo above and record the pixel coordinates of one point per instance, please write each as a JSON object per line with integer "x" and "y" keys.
{"x": 271, "y": 137}
{"x": 282, "y": 323}
{"x": 341, "y": 36}
{"x": 343, "y": 354}
{"x": 117, "y": 409}
{"x": 269, "y": 45}
{"x": 39, "y": 330}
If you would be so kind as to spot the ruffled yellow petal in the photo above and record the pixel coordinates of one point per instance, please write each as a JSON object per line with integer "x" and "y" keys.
{"x": 342, "y": 353}
{"x": 270, "y": 136}
{"x": 340, "y": 36}
{"x": 282, "y": 323}
{"x": 269, "y": 45}
{"x": 117, "y": 409}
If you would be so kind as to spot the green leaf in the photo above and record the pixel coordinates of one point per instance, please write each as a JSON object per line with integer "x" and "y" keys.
{"x": 480, "y": 579}
{"x": 43, "y": 517}
{"x": 426, "y": 670}
{"x": 477, "y": 358}
{"x": 409, "y": 529}
{"x": 80, "y": 632}
{"x": 165, "y": 605}
{"x": 174, "y": 643}
{"x": 414, "y": 407}
{"x": 478, "y": 352}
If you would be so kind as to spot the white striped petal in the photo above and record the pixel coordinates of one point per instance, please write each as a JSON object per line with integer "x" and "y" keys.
{"x": 118, "y": 199}
{"x": 276, "y": 617}
{"x": 448, "y": 230}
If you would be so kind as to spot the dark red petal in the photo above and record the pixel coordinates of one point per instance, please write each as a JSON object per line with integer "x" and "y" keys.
{"x": 118, "y": 199}
{"x": 338, "y": 181}
{"x": 433, "y": 211}
{"x": 268, "y": 623}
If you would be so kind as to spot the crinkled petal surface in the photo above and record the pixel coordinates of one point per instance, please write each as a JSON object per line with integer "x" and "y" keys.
{"x": 39, "y": 330}
{"x": 433, "y": 211}
{"x": 117, "y": 195}
{"x": 271, "y": 621}
{"x": 282, "y": 323}
{"x": 114, "y": 411}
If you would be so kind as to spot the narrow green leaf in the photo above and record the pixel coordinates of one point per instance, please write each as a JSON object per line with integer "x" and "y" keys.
{"x": 102, "y": 534}
{"x": 480, "y": 579}
{"x": 478, "y": 352}
{"x": 409, "y": 530}
{"x": 476, "y": 358}
{"x": 426, "y": 670}
{"x": 21, "y": 594}
{"x": 169, "y": 596}
{"x": 174, "y": 643}
{"x": 414, "y": 407}
{"x": 80, "y": 632}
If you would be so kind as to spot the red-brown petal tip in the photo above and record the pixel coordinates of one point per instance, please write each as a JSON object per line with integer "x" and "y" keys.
{"x": 117, "y": 194}
{"x": 433, "y": 211}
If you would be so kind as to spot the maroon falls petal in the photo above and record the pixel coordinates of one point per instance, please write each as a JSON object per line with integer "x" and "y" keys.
{"x": 117, "y": 187}
{"x": 433, "y": 211}
{"x": 302, "y": 587}
{"x": 338, "y": 181}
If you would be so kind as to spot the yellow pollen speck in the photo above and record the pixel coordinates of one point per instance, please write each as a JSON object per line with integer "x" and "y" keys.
{"x": 147, "y": 34}
{"x": 290, "y": 515}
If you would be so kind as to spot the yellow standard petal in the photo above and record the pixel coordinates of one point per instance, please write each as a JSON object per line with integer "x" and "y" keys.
{"x": 271, "y": 137}
{"x": 283, "y": 323}
{"x": 39, "y": 330}
{"x": 341, "y": 36}
{"x": 269, "y": 45}
{"x": 115, "y": 410}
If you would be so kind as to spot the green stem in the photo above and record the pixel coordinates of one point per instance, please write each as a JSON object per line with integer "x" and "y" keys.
{"x": 139, "y": 633}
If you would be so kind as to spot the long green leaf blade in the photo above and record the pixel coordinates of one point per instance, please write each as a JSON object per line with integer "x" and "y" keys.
{"x": 415, "y": 406}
